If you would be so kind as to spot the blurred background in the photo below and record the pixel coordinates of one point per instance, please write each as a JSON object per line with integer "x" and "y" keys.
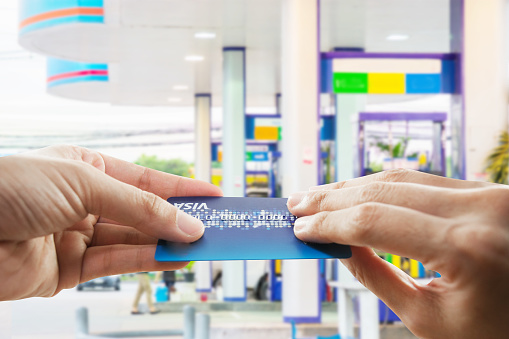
{"x": 262, "y": 98}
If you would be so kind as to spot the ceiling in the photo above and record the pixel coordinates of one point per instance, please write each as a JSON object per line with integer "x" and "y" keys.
{"x": 145, "y": 42}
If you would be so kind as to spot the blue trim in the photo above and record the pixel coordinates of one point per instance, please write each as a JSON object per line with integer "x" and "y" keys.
{"x": 448, "y": 76}
{"x": 96, "y": 19}
{"x": 326, "y": 76}
{"x": 203, "y": 290}
{"x": 328, "y": 130}
{"x": 87, "y": 78}
{"x": 210, "y": 262}
{"x": 348, "y": 49}
{"x": 214, "y": 151}
{"x": 234, "y": 299}
{"x": 30, "y": 8}
{"x": 250, "y": 127}
{"x": 243, "y": 49}
{"x": 263, "y": 116}
{"x": 56, "y": 66}
{"x": 352, "y": 55}
{"x": 278, "y": 103}
{"x": 233, "y": 48}
{"x": 320, "y": 287}
{"x": 402, "y": 116}
{"x": 198, "y": 95}
{"x": 302, "y": 320}
{"x": 336, "y": 276}
{"x": 245, "y": 279}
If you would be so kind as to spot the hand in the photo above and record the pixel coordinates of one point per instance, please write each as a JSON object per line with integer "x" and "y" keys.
{"x": 457, "y": 228}
{"x": 68, "y": 215}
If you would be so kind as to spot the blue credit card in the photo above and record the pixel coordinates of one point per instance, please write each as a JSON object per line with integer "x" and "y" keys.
{"x": 243, "y": 229}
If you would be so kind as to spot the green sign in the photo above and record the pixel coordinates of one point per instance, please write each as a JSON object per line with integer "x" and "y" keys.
{"x": 350, "y": 83}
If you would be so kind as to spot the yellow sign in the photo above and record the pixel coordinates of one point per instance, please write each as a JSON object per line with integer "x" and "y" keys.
{"x": 386, "y": 83}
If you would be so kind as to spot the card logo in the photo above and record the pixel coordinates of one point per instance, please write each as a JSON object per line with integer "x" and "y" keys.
{"x": 192, "y": 206}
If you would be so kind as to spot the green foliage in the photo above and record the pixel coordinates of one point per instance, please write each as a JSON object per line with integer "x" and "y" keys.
{"x": 398, "y": 151}
{"x": 497, "y": 163}
{"x": 376, "y": 167}
{"x": 173, "y": 166}
{"x": 328, "y": 164}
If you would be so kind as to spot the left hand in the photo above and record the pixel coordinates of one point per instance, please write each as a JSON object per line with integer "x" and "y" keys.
{"x": 69, "y": 214}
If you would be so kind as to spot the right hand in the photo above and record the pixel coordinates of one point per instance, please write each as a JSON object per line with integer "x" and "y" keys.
{"x": 457, "y": 228}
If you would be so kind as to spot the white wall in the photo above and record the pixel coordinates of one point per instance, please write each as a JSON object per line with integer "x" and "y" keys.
{"x": 486, "y": 73}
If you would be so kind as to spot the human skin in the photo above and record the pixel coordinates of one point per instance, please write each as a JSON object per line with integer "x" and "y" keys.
{"x": 457, "y": 228}
{"x": 69, "y": 214}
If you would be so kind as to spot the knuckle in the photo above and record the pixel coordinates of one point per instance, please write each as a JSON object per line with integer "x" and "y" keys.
{"x": 320, "y": 223}
{"x": 396, "y": 175}
{"x": 319, "y": 200}
{"x": 144, "y": 179}
{"x": 483, "y": 244}
{"x": 339, "y": 185}
{"x": 149, "y": 203}
{"x": 372, "y": 192}
{"x": 364, "y": 218}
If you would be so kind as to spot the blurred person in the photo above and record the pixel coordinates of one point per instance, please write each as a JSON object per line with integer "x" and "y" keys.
{"x": 457, "y": 228}
{"x": 69, "y": 215}
{"x": 144, "y": 288}
{"x": 169, "y": 279}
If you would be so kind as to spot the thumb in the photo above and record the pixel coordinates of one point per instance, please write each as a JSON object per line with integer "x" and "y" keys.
{"x": 105, "y": 196}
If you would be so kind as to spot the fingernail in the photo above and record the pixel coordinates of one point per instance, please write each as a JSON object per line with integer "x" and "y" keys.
{"x": 295, "y": 198}
{"x": 188, "y": 224}
{"x": 300, "y": 224}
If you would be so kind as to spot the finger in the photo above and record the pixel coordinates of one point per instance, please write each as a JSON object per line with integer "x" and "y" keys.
{"x": 391, "y": 229}
{"x": 161, "y": 184}
{"x": 110, "y": 234}
{"x": 427, "y": 199}
{"x": 102, "y": 195}
{"x": 394, "y": 287}
{"x": 404, "y": 175}
{"x": 121, "y": 259}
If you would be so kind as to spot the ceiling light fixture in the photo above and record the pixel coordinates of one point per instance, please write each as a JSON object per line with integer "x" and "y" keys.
{"x": 397, "y": 37}
{"x": 204, "y": 35}
{"x": 194, "y": 58}
{"x": 174, "y": 99}
{"x": 180, "y": 88}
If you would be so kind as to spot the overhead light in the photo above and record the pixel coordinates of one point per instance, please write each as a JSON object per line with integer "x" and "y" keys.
{"x": 194, "y": 58}
{"x": 180, "y": 88}
{"x": 204, "y": 35}
{"x": 174, "y": 99}
{"x": 397, "y": 37}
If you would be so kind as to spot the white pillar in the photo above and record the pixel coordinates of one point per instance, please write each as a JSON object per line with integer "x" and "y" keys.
{"x": 348, "y": 107}
{"x": 368, "y": 314}
{"x": 202, "y": 151}
{"x": 485, "y": 74}
{"x": 202, "y": 168}
{"x": 234, "y": 144}
{"x": 300, "y": 128}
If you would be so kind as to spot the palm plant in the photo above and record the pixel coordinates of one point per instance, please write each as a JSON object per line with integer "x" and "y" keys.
{"x": 497, "y": 163}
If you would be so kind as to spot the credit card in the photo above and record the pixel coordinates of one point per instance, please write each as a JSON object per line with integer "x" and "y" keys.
{"x": 243, "y": 229}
